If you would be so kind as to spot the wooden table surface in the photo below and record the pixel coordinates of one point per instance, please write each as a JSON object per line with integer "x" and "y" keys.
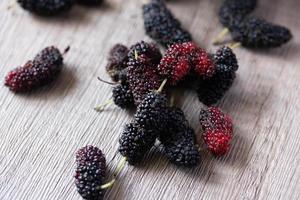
{"x": 41, "y": 131}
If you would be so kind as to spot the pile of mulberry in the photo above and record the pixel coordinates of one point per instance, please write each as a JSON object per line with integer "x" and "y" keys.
{"x": 162, "y": 26}
{"x": 90, "y": 172}
{"x": 218, "y": 130}
{"x": 40, "y": 71}
{"x": 46, "y": 7}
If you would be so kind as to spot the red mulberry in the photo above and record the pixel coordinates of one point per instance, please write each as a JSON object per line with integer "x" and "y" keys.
{"x": 41, "y": 71}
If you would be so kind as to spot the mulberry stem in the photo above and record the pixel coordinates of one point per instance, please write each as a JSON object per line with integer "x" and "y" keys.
{"x": 107, "y": 82}
{"x": 102, "y": 106}
{"x": 220, "y": 36}
{"x": 162, "y": 86}
{"x": 119, "y": 168}
{"x": 235, "y": 45}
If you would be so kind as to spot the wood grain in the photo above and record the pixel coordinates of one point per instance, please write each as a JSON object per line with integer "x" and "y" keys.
{"x": 40, "y": 132}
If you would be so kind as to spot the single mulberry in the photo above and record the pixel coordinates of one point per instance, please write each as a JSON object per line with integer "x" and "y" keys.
{"x": 46, "y": 7}
{"x": 42, "y": 70}
{"x": 179, "y": 140}
{"x": 233, "y": 11}
{"x": 135, "y": 142}
{"x": 162, "y": 26}
{"x": 256, "y": 32}
{"x": 117, "y": 62}
{"x": 122, "y": 96}
{"x": 218, "y": 130}
{"x": 211, "y": 90}
{"x": 90, "y": 172}
{"x": 182, "y": 59}
{"x": 142, "y": 71}
{"x": 151, "y": 111}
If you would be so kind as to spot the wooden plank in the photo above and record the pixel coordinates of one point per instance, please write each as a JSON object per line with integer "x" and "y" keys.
{"x": 40, "y": 132}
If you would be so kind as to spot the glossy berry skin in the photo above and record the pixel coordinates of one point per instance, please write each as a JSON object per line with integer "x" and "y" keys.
{"x": 122, "y": 96}
{"x": 46, "y": 7}
{"x": 117, "y": 61}
{"x": 211, "y": 90}
{"x": 162, "y": 26}
{"x": 90, "y": 172}
{"x": 256, "y": 32}
{"x": 42, "y": 70}
{"x": 233, "y": 11}
{"x": 135, "y": 142}
{"x": 151, "y": 111}
{"x": 179, "y": 140}
{"x": 182, "y": 59}
{"x": 142, "y": 72}
{"x": 218, "y": 130}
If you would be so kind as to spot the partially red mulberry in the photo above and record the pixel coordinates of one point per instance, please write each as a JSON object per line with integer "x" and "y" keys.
{"x": 218, "y": 130}
{"x": 36, "y": 73}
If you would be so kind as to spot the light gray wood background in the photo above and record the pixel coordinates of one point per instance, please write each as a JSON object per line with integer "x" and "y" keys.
{"x": 40, "y": 132}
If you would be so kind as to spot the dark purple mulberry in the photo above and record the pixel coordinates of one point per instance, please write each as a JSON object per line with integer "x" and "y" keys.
{"x": 162, "y": 26}
{"x": 90, "y": 172}
{"x": 135, "y": 142}
{"x": 46, "y": 7}
{"x": 122, "y": 96}
{"x": 117, "y": 61}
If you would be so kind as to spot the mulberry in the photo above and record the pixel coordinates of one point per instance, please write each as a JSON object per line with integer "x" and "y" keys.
{"x": 162, "y": 26}
{"x": 46, "y": 7}
{"x": 211, "y": 90}
{"x": 41, "y": 71}
{"x": 142, "y": 72}
{"x": 151, "y": 111}
{"x": 117, "y": 61}
{"x": 181, "y": 59}
{"x": 179, "y": 140}
{"x": 218, "y": 130}
{"x": 122, "y": 96}
{"x": 90, "y": 172}
{"x": 135, "y": 142}
{"x": 233, "y": 11}
{"x": 256, "y": 32}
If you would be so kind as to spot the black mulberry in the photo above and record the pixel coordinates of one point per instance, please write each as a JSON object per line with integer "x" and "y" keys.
{"x": 135, "y": 142}
{"x": 46, "y": 7}
{"x": 122, "y": 96}
{"x": 90, "y": 172}
{"x": 162, "y": 26}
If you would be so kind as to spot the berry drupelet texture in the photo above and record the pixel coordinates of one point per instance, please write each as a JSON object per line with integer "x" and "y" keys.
{"x": 122, "y": 96}
{"x": 142, "y": 72}
{"x": 182, "y": 59}
{"x": 42, "y": 70}
{"x": 90, "y": 172}
{"x": 179, "y": 140}
{"x": 151, "y": 111}
{"x": 117, "y": 61}
{"x": 135, "y": 142}
{"x": 218, "y": 130}
{"x": 256, "y": 32}
{"x": 46, "y": 7}
{"x": 161, "y": 25}
{"x": 233, "y": 11}
{"x": 211, "y": 90}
